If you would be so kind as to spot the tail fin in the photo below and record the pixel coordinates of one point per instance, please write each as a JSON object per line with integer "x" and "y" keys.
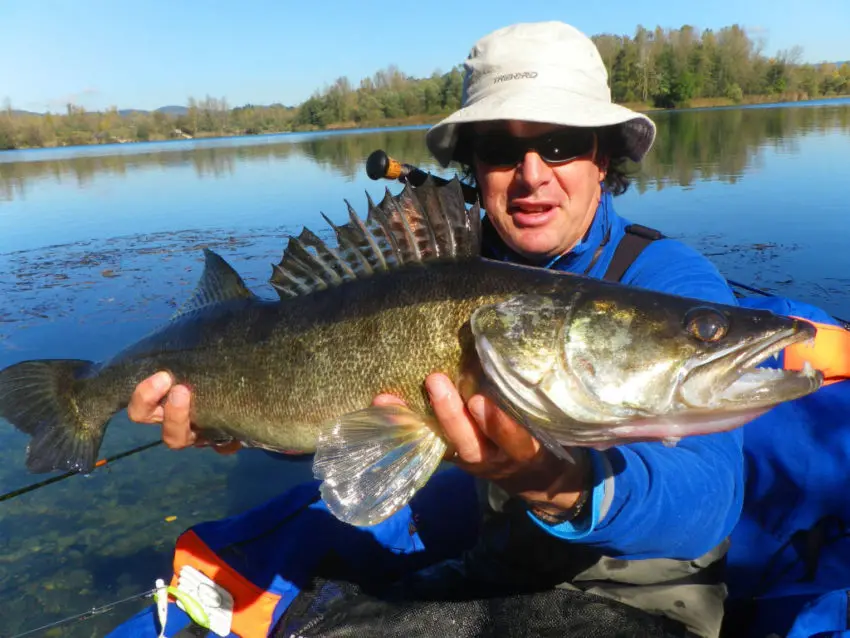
{"x": 42, "y": 399}
{"x": 373, "y": 461}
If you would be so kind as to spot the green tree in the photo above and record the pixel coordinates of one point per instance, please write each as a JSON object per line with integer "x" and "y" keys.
{"x": 668, "y": 68}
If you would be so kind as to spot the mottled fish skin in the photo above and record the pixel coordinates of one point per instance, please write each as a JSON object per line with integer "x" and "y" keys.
{"x": 270, "y": 373}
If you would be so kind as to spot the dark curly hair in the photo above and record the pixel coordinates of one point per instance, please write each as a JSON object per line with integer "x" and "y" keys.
{"x": 612, "y": 146}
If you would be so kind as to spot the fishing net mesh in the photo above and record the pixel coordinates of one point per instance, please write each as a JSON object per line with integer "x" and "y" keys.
{"x": 337, "y": 609}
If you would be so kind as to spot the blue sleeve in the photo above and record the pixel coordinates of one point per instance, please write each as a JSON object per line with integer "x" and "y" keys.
{"x": 665, "y": 502}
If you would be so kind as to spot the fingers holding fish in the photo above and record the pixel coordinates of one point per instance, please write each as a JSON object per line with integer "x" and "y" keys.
{"x": 177, "y": 430}
{"x": 458, "y": 425}
{"x": 481, "y": 438}
{"x": 507, "y": 435}
{"x": 489, "y": 443}
{"x": 493, "y": 446}
{"x": 519, "y": 464}
{"x": 157, "y": 400}
{"x": 146, "y": 402}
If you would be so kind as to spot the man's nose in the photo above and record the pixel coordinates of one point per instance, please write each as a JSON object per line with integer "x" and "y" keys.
{"x": 533, "y": 171}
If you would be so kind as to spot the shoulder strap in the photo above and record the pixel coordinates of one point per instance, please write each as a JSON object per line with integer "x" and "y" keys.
{"x": 637, "y": 238}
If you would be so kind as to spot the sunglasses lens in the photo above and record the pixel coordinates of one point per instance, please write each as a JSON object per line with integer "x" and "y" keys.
{"x": 566, "y": 145}
{"x": 499, "y": 149}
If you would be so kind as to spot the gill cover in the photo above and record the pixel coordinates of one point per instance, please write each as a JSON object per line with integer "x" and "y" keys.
{"x": 565, "y": 361}
{"x": 520, "y": 343}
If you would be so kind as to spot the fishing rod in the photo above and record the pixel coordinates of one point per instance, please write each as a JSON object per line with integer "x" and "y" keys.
{"x": 379, "y": 165}
{"x": 62, "y": 477}
{"x": 197, "y": 608}
{"x": 87, "y": 615}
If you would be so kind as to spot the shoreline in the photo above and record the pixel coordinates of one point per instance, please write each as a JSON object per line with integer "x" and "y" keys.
{"x": 427, "y": 120}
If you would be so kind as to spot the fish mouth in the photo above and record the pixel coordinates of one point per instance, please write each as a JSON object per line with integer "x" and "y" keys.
{"x": 732, "y": 376}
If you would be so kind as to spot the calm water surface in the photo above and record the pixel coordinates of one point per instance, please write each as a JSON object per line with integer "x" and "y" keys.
{"x": 98, "y": 245}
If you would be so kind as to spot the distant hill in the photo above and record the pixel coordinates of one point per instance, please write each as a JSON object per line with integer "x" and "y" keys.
{"x": 173, "y": 110}
{"x": 168, "y": 110}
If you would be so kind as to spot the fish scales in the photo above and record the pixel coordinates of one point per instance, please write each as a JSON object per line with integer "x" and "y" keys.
{"x": 272, "y": 372}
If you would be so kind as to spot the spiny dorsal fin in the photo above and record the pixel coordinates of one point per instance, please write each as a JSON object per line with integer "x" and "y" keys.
{"x": 218, "y": 283}
{"x": 419, "y": 225}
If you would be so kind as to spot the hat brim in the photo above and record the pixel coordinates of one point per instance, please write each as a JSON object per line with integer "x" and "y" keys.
{"x": 545, "y": 105}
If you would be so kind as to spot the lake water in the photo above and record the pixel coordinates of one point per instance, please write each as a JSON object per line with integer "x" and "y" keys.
{"x": 99, "y": 244}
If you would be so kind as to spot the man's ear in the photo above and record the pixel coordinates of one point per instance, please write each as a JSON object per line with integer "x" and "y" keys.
{"x": 602, "y": 164}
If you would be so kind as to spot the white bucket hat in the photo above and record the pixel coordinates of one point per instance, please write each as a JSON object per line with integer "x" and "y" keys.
{"x": 539, "y": 72}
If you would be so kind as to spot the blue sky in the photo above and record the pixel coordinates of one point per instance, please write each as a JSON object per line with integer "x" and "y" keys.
{"x": 146, "y": 54}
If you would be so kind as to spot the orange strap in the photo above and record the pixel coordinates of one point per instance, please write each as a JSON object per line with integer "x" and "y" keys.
{"x": 830, "y": 352}
{"x": 253, "y": 607}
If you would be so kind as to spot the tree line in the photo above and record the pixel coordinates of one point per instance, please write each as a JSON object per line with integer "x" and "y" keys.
{"x": 664, "y": 68}
{"x": 717, "y": 145}
{"x": 676, "y": 67}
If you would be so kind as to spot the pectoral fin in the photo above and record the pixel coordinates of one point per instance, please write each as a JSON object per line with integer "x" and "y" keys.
{"x": 371, "y": 462}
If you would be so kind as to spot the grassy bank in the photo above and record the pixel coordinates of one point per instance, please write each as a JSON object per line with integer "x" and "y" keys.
{"x": 748, "y": 100}
{"x": 30, "y": 131}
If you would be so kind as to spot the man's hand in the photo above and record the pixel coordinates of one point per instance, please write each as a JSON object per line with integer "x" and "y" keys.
{"x": 147, "y": 406}
{"x": 490, "y": 445}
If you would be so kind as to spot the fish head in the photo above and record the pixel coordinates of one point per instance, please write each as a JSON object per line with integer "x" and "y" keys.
{"x": 631, "y": 364}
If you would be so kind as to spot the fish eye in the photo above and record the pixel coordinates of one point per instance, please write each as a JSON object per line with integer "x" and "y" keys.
{"x": 707, "y": 324}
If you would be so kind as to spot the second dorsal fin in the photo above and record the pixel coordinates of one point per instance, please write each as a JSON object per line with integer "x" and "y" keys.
{"x": 419, "y": 225}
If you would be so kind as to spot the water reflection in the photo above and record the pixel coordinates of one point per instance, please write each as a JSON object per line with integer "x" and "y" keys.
{"x": 344, "y": 154}
{"x": 725, "y": 144}
{"x": 693, "y": 145}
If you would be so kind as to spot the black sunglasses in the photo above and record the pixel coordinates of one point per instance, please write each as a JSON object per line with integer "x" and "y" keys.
{"x": 557, "y": 147}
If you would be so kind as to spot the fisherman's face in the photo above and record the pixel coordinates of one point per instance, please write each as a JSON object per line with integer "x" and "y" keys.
{"x": 540, "y": 209}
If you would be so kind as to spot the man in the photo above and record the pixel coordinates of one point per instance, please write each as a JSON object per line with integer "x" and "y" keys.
{"x": 642, "y": 523}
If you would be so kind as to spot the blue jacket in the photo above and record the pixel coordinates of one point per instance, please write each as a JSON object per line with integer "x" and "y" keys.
{"x": 675, "y": 502}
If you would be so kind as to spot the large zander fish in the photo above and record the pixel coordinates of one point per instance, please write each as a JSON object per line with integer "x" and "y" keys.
{"x": 580, "y": 362}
